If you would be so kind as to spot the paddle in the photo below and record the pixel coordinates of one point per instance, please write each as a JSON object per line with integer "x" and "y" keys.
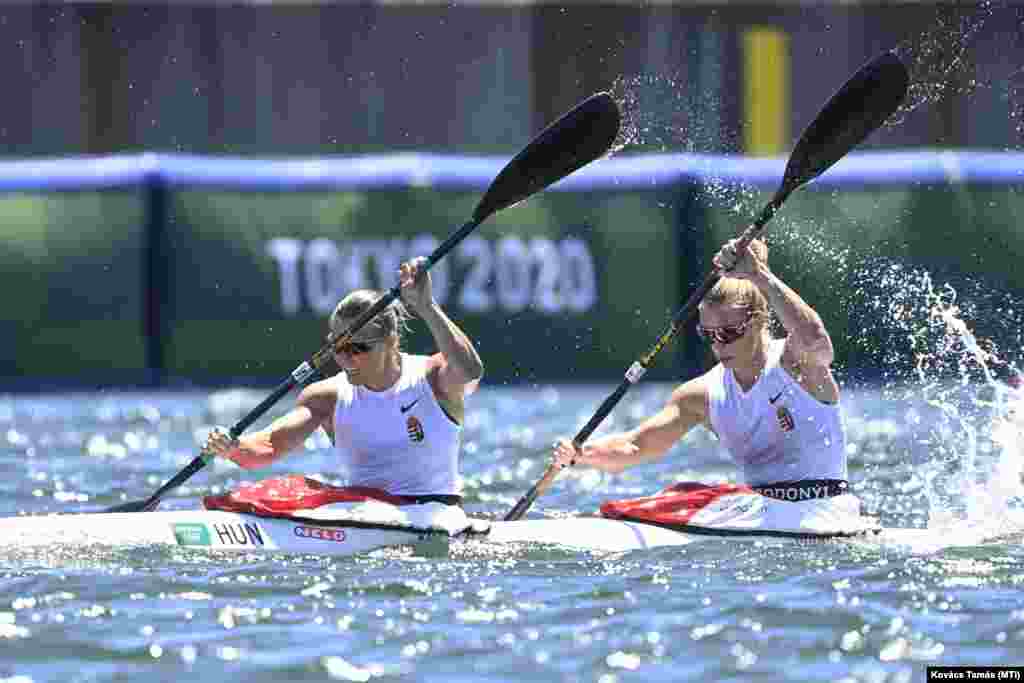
{"x": 580, "y": 136}
{"x": 858, "y": 108}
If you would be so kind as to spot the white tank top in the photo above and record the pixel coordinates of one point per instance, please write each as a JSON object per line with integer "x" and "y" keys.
{"x": 398, "y": 439}
{"x": 776, "y": 431}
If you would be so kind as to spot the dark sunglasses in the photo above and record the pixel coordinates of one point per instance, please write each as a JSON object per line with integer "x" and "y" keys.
{"x": 355, "y": 348}
{"x": 726, "y": 334}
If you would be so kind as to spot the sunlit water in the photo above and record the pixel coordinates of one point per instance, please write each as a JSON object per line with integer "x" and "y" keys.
{"x": 934, "y": 443}
{"x": 713, "y": 610}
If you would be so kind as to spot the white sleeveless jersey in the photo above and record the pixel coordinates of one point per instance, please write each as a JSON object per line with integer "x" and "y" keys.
{"x": 776, "y": 431}
{"x": 399, "y": 439}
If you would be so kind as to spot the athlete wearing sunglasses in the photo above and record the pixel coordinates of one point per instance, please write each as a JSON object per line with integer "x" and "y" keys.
{"x": 772, "y": 403}
{"x": 726, "y": 334}
{"x": 394, "y": 418}
{"x": 354, "y": 348}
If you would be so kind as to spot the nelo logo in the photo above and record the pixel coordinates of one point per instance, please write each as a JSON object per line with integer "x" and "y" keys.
{"x": 336, "y": 535}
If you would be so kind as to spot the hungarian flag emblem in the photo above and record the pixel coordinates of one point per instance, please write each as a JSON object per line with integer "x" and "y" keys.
{"x": 415, "y": 429}
{"x": 786, "y": 421}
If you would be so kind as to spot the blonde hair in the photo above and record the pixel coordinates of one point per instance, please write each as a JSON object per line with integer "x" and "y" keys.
{"x": 393, "y": 320}
{"x": 729, "y": 291}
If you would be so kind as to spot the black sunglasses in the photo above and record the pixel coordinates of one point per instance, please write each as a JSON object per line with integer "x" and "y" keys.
{"x": 726, "y": 334}
{"x": 355, "y": 348}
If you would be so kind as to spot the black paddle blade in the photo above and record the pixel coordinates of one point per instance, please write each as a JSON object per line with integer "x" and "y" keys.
{"x": 853, "y": 112}
{"x": 573, "y": 141}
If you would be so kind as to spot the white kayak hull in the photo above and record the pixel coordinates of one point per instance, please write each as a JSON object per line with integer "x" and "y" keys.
{"x": 207, "y": 530}
{"x": 616, "y": 535}
{"x": 238, "y": 532}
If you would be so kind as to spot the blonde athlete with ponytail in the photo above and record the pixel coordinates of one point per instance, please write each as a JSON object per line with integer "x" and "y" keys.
{"x": 773, "y": 403}
{"x": 395, "y": 418}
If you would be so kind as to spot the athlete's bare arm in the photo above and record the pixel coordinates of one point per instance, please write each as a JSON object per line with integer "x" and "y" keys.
{"x": 808, "y": 353}
{"x": 314, "y": 408}
{"x": 457, "y": 368}
{"x": 651, "y": 439}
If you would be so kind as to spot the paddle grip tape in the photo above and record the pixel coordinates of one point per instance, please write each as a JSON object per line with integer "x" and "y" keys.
{"x": 635, "y": 372}
{"x": 303, "y": 373}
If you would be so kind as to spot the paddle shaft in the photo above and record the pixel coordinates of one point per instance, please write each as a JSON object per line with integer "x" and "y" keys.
{"x": 639, "y": 368}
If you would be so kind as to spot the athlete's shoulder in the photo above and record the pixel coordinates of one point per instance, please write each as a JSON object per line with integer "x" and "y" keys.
{"x": 321, "y": 396}
{"x": 701, "y": 382}
{"x": 692, "y": 396}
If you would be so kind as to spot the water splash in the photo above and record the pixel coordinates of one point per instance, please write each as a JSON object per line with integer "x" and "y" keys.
{"x": 972, "y": 477}
{"x": 654, "y": 113}
{"x": 943, "y": 65}
{"x": 938, "y": 59}
{"x": 664, "y": 113}
{"x": 989, "y": 494}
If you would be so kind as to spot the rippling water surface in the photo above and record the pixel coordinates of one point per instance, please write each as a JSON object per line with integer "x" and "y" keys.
{"x": 712, "y": 610}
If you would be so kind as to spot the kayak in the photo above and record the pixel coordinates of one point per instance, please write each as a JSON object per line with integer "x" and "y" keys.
{"x": 209, "y": 530}
{"x": 216, "y": 530}
{"x": 298, "y": 515}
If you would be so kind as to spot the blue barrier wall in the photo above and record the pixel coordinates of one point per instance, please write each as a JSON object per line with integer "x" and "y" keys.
{"x": 152, "y": 268}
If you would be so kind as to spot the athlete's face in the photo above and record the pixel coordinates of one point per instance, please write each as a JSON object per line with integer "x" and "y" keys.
{"x": 729, "y": 329}
{"x": 367, "y": 357}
